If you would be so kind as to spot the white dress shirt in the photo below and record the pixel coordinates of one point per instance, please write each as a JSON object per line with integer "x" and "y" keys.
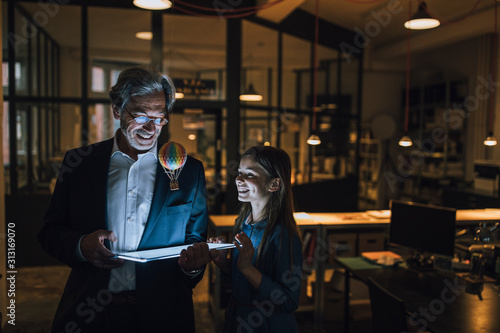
{"x": 129, "y": 195}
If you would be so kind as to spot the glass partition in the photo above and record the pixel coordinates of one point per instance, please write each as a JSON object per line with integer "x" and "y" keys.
{"x": 59, "y": 49}
{"x": 195, "y": 55}
{"x": 22, "y": 56}
{"x": 259, "y": 63}
{"x": 5, "y": 146}
{"x": 113, "y": 45}
{"x": 48, "y": 72}
{"x": 102, "y": 124}
{"x": 296, "y": 77}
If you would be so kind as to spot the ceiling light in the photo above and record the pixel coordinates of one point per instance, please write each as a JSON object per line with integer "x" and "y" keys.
{"x": 153, "y": 4}
{"x": 145, "y": 35}
{"x": 250, "y": 95}
{"x": 192, "y": 137}
{"x": 421, "y": 20}
{"x": 405, "y": 141}
{"x": 179, "y": 95}
{"x": 313, "y": 140}
{"x": 490, "y": 140}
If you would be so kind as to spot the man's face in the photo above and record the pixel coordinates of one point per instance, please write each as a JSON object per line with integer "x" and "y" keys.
{"x": 141, "y": 137}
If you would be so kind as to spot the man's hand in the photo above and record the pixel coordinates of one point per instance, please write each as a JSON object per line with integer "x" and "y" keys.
{"x": 93, "y": 249}
{"x": 195, "y": 257}
{"x": 219, "y": 256}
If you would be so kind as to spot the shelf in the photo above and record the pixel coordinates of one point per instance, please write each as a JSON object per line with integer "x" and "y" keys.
{"x": 441, "y": 162}
{"x": 369, "y": 141}
{"x": 369, "y": 169}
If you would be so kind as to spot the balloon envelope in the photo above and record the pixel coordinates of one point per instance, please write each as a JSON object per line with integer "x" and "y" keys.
{"x": 172, "y": 156}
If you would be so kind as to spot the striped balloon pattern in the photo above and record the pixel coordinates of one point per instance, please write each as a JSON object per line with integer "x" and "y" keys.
{"x": 172, "y": 158}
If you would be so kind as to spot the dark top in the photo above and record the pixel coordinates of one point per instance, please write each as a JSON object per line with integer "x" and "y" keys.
{"x": 269, "y": 308}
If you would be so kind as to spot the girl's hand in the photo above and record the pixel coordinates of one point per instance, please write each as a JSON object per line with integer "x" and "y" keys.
{"x": 245, "y": 247}
{"x": 218, "y": 256}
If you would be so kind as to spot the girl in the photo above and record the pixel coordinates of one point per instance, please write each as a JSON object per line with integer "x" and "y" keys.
{"x": 266, "y": 268}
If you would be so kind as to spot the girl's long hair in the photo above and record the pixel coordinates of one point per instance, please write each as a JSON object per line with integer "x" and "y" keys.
{"x": 279, "y": 208}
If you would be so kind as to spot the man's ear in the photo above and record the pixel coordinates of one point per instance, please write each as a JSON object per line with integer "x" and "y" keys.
{"x": 275, "y": 185}
{"x": 116, "y": 112}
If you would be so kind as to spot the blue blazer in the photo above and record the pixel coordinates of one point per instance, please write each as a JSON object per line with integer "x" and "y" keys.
{"x": 78, "y": 207}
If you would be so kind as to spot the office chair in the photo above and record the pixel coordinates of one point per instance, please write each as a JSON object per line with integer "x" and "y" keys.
{"x": 388, "y": 311}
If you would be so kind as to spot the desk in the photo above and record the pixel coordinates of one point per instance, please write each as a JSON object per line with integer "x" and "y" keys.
{"x": 436, "y": 302}
{"x": 322, "y": 223}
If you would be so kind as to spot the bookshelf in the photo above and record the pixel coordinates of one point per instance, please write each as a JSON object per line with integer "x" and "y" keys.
{"x": 369, "y": 170}
{"x": 437, "y": 127}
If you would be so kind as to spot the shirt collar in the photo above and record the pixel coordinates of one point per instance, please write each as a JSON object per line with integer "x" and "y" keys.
{"x": 116, "y": 149}
{"x": 259, "y": 225}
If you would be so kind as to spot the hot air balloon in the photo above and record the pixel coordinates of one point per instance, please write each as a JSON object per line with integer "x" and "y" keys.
{"x": 172, "y": 157}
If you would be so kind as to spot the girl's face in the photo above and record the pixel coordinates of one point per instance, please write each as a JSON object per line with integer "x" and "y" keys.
{"x": 252, "y": 182}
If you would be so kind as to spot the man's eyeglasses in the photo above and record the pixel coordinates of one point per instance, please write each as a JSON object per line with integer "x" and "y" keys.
{"x": 160, "y": 121}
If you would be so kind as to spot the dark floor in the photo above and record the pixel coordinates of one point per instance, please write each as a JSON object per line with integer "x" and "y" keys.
{"x": 39, "y": 289}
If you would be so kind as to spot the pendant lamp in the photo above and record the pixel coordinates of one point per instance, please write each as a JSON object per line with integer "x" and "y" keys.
{"x": 490, "y": 139}
{"x": 314, "y": 139}
{"x": 153, "y": 4}
{"x": 421, "y": 20}
{"x": 406, "y": 140}
{"x": 250, "y": 94}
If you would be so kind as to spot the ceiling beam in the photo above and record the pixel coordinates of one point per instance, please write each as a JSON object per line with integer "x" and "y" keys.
{"x": 276, "y": 13}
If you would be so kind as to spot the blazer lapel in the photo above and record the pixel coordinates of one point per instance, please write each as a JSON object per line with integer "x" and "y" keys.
{"x": 161, "y": 191}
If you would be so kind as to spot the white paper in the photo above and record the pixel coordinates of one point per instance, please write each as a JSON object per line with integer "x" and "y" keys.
{"x": 165, "y": 252}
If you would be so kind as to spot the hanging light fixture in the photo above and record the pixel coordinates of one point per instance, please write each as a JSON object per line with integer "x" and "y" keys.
{"x": 250, "y": 95}
{"x": 406, "y": 140}
{"x": 314, "y": 139}
{"x": 421, "y": 20}
{"x": 490, "y": 139}
{"x": 153, "y": 4}
{"x": 144, "y": 35}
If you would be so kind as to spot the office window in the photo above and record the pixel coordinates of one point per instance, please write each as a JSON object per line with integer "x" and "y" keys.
{"x": 202, "y": 58}
{"x": 98, "y": 82}
{"x": 5, "y": 134}
{"x": 5, "y": 77}
{"x": 259, "y": 64}
{"x": 102, "y": 124}
{"x": 114, "y": 73}
{"x": 60, "y": 40}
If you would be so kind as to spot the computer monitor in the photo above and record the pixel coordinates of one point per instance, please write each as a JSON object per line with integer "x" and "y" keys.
{"x": 423, "y": 228}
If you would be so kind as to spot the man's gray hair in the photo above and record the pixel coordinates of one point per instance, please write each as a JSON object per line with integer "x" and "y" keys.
{"x": 141, "y": 81}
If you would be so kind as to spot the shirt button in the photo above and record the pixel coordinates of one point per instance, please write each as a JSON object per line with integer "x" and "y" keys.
{"x": 131, "y": 192}
{"x": 130, "y": 219}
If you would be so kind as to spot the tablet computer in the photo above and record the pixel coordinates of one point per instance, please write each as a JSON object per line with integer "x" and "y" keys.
{"x": 165, "y": 252}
